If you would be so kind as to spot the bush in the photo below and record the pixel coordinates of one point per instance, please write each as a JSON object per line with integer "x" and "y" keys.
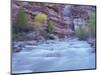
{"x": 91, "y": 24}
{"x": 82, "y": 33}
{"x": 20, "y": 24}
{"x": 50, "y": 27}
{"x": 40, "y": 19}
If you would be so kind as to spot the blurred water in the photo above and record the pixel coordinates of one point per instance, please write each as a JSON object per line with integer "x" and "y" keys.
{"x": 54, "y": 55}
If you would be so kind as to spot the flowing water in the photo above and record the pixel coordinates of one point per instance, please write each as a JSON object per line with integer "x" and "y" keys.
{"x": 54, "y": 55}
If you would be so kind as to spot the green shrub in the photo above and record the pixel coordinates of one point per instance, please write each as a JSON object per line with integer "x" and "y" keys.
{"x": 82, "y": 33}
{"x": 40, "y": 19}
{"x": 20, "y": 24}
{"x": 91, "y": 24}
{"x": 50, "y": 27}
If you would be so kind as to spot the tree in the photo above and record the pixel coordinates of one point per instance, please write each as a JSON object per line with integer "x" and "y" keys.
{"x": 40, "y": 19}
{"x": 50, "y": 27}
{"x": 20, "y": 22}
{"x": 91, "y": 24}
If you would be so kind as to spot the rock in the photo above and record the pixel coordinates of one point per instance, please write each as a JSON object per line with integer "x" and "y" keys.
{"x": 51, "y": 12}
{"x": 67, "y": 20}
{"x": 32, "y": 35}
{"x": 18, "y": 46}
{"x": 53, "y": 55}
{"x": 53, "y": 37}
{"x": 41, "y": 38}
{"x": 92, "y": 42}
{"x": 16, "y": 49}
{"x": 94, "y": 50}
{"x": 67, "y": 10}
{"x": 33, "y": 42}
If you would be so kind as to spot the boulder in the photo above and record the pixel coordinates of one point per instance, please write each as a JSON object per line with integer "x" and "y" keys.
{"x": 53, "y": 37}
{"x": 17, "y": 46}
{"x": 92, "y": 42}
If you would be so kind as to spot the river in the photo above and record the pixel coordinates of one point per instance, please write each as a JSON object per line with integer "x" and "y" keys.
{"x": 54, "y": 55}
